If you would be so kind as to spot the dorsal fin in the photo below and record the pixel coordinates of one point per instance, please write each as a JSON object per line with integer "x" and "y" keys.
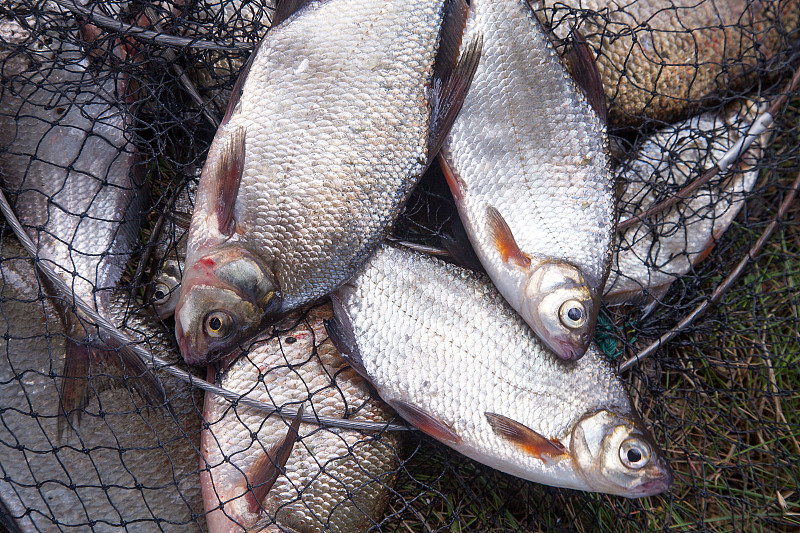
{"x": 583, "y": 67}
{"x": 342, "y": 335}
{"x": 261, "y": 476}
{"x": 227, "y": 175}
{"x": 286, "y": 8}
{"x": 450, "y": 86}
{"x": 548, "y": 450}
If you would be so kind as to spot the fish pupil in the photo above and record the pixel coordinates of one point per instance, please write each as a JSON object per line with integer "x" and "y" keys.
{"x": 215, "y": 323}
{"x": 634, "y": 456}
{"x": 159, "y": 294}
{"x": 574, "y": 314}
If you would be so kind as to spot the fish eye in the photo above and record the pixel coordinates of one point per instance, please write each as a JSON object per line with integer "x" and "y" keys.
{"x": 634, "y": 453}
{"x": 218, "y": 324}
{"x": 573, "y": 314}
{"x": 160, "y": 292}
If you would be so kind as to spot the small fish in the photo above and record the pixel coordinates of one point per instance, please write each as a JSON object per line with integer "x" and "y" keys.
{"x": 526, "y": 162}
{"x": 445, "y": 350}
{"x": 73, "y": 179}
{"x": 663, "y": 61}
{"x": 651, "y": 255}
{"x": 170, "y": 251}
{"x": 131, "y": 462}
{"x": 333, "y": 478}
{"x": 339, "y": 112}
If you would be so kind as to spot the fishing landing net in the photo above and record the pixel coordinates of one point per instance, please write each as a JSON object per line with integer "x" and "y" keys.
{"x": 720, "y": 396}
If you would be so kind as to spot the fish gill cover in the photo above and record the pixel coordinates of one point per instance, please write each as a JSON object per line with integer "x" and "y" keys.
{"x": 683, "y": 84}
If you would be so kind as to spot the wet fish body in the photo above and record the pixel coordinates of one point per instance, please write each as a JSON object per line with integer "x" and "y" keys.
{"x": 128, "y": 463}
{"x": 334, "y": 478}
{"x": 335, "y": 123}
{"x": 651, "y": 255}
{"x": 661, "y": 62}
{"x": 70, "y": 169}
{"x": 444, "y": 349}
{"x": 526, "y": 161}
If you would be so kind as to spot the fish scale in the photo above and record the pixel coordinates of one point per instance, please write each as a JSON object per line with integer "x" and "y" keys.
{"x": 330, "y": 132}
{"x": 441, "y": 340}
{"x": 528, "y": 145}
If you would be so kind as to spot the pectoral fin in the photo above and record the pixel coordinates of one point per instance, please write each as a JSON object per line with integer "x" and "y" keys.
{"x": 226, "y": 175}
{"x": 583, "y": 67}
{"x": 504, "y": 240}
{"x": 548, "y": 450}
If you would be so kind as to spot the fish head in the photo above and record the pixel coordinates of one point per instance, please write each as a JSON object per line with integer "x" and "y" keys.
{"x": 226, "y": 298}
{"x": 616, "y": 455}
{"x": 562, "y": 308}
{"x": 164, "y": 289}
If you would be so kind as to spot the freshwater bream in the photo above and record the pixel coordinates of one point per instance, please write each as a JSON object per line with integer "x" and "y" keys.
{"x": 70, "y": 169}
{"x": 526, "y": 162}
{"x": 133, "y": 462}
{"x": 662, "y": 60}
{"x": 340, "y": 110}
{"x": 334, "y": 478}
{"x": 652, "y": 254}
{"x": 445, "y": 350}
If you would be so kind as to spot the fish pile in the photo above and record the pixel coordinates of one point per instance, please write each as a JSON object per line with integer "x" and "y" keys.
{"x": 275, "y": 265}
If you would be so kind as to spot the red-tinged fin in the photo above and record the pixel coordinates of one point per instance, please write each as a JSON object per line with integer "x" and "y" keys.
{"x": 228, "y": 175}
{"x": 449, "y": 90}
{"x": 504, "y": 240}
{"x": 548, "y": 450}
{"x": 425, "y": 422}
{"x": 342, "y": 335}
{"x": 261, "y": 476}
{"x": 456, "y": 184}
{"x": 583, "y": 67}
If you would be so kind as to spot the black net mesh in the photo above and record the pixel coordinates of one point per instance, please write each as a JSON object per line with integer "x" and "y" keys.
{"x": 100, "y": 144}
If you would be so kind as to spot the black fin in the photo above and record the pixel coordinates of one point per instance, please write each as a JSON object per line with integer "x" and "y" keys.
{"x": 74, "y": 393}
{"x": 342, "y": 336}
{"x": 236, "y": 92}
{"x": 261, "y": 476}
{"x": 448, "y": 93}
{"x": 583, "y": 67}
{"x": 285, "y": 9}
{"x": 451, "y": 33}
{"x": 460, "y": 247}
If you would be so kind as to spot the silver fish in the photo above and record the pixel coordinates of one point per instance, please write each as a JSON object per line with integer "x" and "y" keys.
{"x": 650, "y": 256}
{"x": 445, "y": 350}
{"x": 128, "y": 465}
{"x": 340, "y": 111}
{"x": 72, "y": 174}
{"x": 663, "y": 61}
{"x": 526, "y": 162}
{"x": 337, "y": 479}
{"x": 170, "y": 251}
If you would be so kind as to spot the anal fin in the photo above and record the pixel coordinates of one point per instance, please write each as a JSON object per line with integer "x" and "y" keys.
{"x": 261, "y": 476}
{"x": 550, "y": 451}
{"x": 504, "y": 240}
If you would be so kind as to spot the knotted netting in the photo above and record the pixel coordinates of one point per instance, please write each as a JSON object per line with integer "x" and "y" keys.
{"x": 107, "y": 110}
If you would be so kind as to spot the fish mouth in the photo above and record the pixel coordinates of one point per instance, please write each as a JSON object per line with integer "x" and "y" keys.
{"x": 653, "y": 487}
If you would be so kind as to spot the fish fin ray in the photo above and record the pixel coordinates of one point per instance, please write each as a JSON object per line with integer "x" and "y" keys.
{"x": 74, "y": 393}
{"x": 449, "y": 92}
{"x": 228, "y": 175}
{"x": 284, "y": 9}
{"x": 425, "y": 422}
{"x": 584, "y": 70}
{"x": 548, "y": 450}
{"x": 261, "y": 476}
{"x": 456, "y": 184}
{"x": 504, "y": 240}
{"x": 342, "y": 335}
